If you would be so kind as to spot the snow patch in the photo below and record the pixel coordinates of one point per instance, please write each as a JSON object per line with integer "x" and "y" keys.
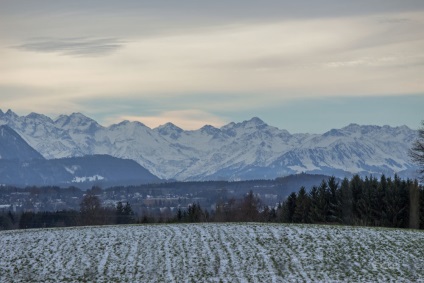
{"x": 72, "y": 169}
{"x": 87, "y": 179}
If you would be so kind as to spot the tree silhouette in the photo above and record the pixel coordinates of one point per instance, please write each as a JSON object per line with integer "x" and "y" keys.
{"x": 417, "y": 150}
{"x": 90, "y": 209}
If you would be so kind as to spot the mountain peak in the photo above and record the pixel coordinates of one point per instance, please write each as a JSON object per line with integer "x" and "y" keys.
{"x": 78, "y": 115}
{"x": 170, "y": 126}
{"x": 37, "y": 116}
{"x": 1, "y": 113}
{"x": 170, "y": 130}
{"x": 209, "y": 129}
{"x": 256, "y": 121}
{"x": 253, "y": 122}
{"x": 76, "y": 120}
{"x": 352, "y": 127}
{"x": 128, "y": 123}
{"x": 365, "y": 129}
{"x": 334, "y": 133}
{"x": 10, "y": 113}
{"x": 74, "y": 116}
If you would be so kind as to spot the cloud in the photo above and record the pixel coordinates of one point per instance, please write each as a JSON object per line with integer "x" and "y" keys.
{"x": 394, "y": 20}
{"x": 77, "y": 46}
{"x": 355, "y": 55}
{"x": 242, "y": 67}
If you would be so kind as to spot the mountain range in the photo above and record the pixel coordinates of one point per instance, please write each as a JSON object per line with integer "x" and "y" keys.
{"x": 237, "y": 151}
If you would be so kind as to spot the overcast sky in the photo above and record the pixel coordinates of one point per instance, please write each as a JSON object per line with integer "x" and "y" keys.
{"x": 305, "y": 66}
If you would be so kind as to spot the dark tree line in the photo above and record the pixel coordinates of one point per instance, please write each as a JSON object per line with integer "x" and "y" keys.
{"x": 91, "y": 213}
{"x": 367, "y": 202}
{"x": 370, "y": 202}
{"x": 246, "y": 209}
{"x": 48, "y": 219}
{"x": 383, "y": 202}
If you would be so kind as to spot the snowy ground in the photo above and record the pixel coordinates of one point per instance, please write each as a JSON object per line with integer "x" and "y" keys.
{"x": 212, "y": 253}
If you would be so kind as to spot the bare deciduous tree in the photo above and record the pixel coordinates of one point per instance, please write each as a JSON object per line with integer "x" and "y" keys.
{"x": 90, "y": 209}
{"x": 417, "y": 150}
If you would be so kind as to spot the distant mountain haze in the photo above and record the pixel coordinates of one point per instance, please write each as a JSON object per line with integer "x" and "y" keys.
{"x": 237, "y": 151}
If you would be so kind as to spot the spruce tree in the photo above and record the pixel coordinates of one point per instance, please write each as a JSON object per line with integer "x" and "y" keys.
{"x": 334, "y": 210}
{"x": 289, "y": 207}
{"x": 302, "y": 209}
{"x": 414, "y": 205}
{"x": 346, "y": 202}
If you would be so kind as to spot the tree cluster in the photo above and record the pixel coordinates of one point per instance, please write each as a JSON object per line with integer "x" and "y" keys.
{"x": 48, "y": 219}
{"x": 370, "y": 202}
{"x": 367, "y": 202}
{"x": 7, "y": 221}
{"x": 91, "y": 213}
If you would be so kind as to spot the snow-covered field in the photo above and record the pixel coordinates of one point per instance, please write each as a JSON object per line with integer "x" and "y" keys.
{"x": 212, "y": 253}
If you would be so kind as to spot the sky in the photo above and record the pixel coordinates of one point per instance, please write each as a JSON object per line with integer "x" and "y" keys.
{"x": 304, "y": 66}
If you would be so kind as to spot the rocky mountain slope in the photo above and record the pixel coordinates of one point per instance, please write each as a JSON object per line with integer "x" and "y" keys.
{"x": 247, "y": 150}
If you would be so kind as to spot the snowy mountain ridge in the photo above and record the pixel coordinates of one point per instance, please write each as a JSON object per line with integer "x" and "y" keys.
{"x": 246, "y": 150}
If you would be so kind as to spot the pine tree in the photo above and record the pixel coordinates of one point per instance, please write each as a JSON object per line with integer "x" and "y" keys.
{"x": 124, "y": 213}
{"x": 346, "y": 202}
{"x": 414, "y": 205}
{"x": 315, "y": 213}
{"x": 334, "y": 210}
{"x": 128, "y": 213}
{"x": 302, "y": 209}
{"x": 356, "y": 185}
{"x": 179, "y": 215}
{"x": 322, "y": 203}
{"x": 119, "y": 213}
{"x": 289, "y": 207}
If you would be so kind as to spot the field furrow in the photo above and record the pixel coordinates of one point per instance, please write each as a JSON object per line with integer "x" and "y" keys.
{"x": 249, "y": 252}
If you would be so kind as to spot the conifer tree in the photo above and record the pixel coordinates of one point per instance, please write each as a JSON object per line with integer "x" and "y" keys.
{"x": 302, "y": 209}
{"x": 334, "y": 210}
{"x": 346, "y": 202}
{"x": 414, "y": 205}
{"x": 289, "y": 207}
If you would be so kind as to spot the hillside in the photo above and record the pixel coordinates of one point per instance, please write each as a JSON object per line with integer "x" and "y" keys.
{"x": 83, "y": 171}
{"x": 212, "y": 253}
{"x": 13, "y": 147}
{"x": 22, "y": 165}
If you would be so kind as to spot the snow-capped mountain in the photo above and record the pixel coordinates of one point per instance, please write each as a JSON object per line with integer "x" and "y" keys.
{"x": 247, "y": 150}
